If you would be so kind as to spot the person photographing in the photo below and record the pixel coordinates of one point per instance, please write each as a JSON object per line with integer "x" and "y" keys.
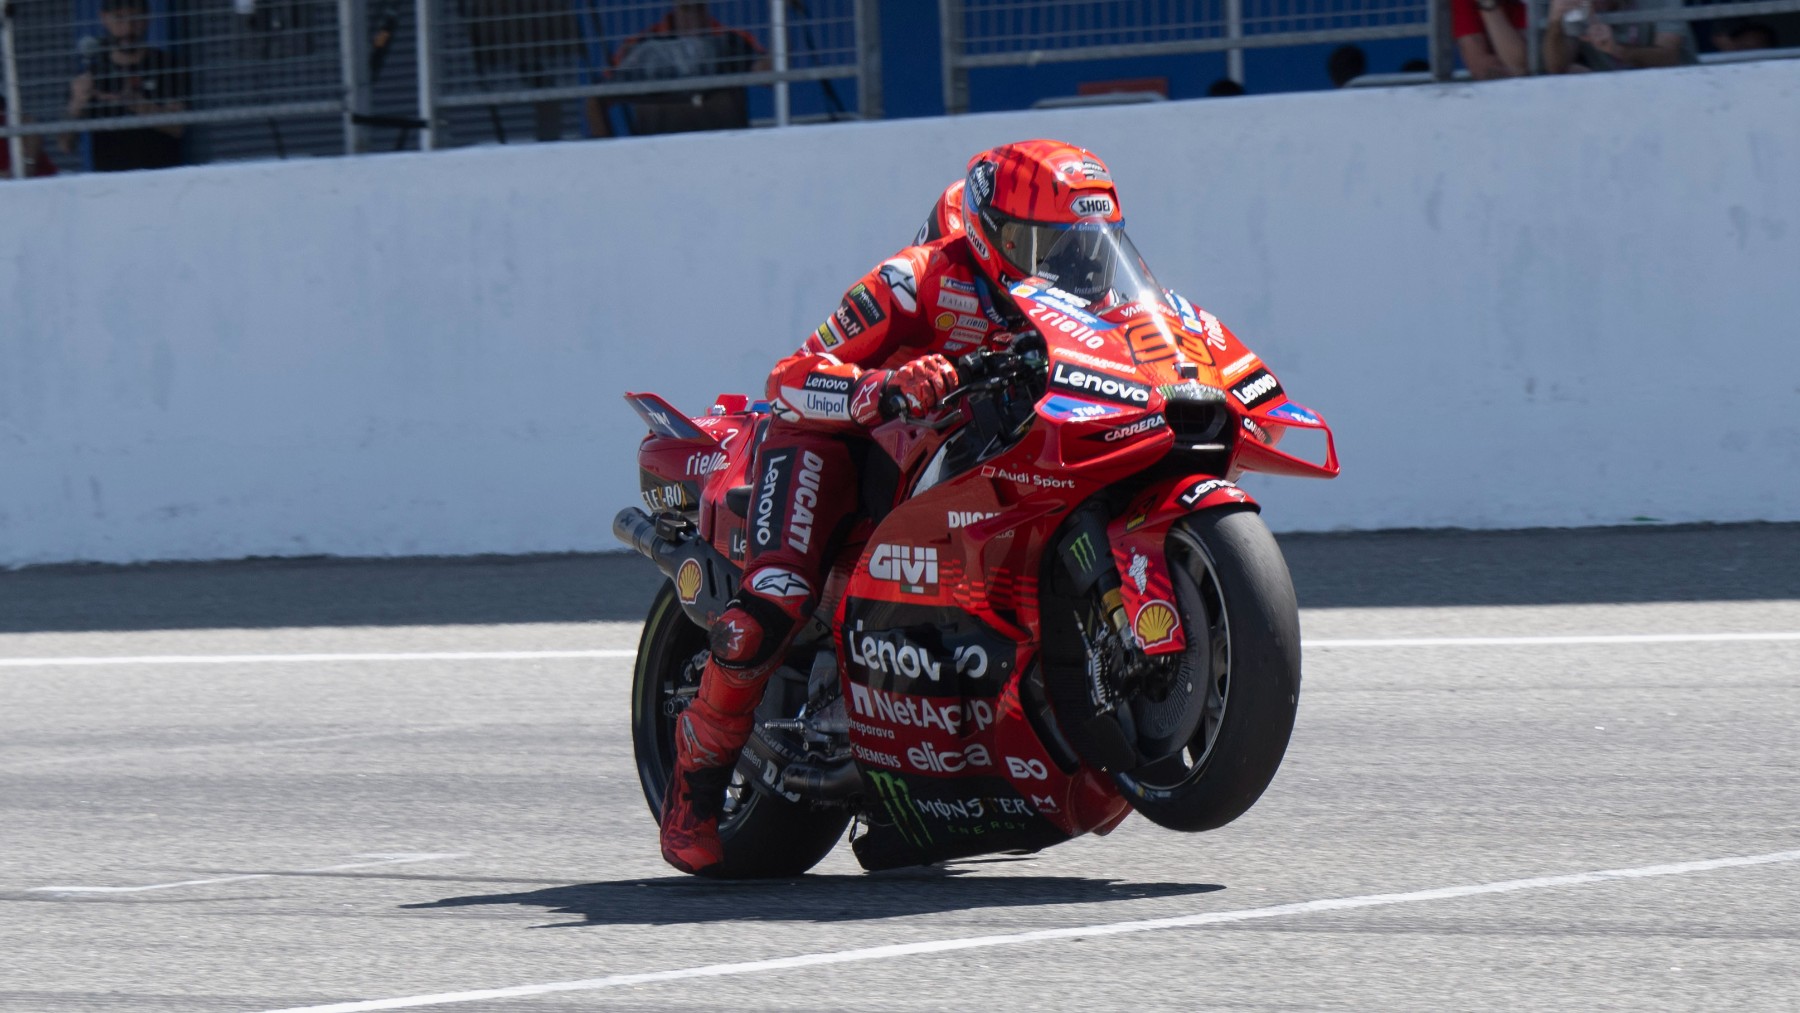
{"x": 122, "y": 75}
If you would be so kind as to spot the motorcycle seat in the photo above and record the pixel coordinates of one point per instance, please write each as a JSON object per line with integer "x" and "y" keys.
{"x": 737, "y": 500}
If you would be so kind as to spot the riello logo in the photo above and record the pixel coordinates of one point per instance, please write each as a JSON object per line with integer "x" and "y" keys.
{"x": 914, "y": 568}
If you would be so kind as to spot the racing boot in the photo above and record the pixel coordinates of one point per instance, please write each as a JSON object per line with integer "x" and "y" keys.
{"x": 708, "y": 737}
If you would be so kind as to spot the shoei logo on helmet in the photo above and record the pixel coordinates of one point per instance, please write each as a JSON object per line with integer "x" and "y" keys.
{"x": 1092, "y": 205}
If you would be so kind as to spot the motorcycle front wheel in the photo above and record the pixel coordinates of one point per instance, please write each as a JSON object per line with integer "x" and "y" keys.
{"x": 765, "y": 836}
{"x": 1243, "y": 629}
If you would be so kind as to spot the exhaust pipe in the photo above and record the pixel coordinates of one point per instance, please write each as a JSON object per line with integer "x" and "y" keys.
{"x": 633, "y": 527}
{"x": 839, "y": 781}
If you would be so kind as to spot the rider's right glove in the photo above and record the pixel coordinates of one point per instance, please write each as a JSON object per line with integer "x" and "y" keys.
{"x": 921, "y": 384}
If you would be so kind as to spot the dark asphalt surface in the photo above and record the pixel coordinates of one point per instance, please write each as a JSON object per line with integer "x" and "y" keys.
{"x": 489, "y": 814}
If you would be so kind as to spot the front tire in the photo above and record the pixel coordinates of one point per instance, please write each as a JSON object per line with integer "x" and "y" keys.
{"x": 1237, "y": 605}
{"x": 765, "y": 836}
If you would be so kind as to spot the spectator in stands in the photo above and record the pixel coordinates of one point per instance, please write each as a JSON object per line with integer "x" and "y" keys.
{"x": 1490, "y": 37}
{"x": 37, "y": 161}
{"x": 1600, "y": 46}
{"x": 125, "y": 77}
{"x": 1735, "y": 37}
{"x": 687, "y": 42}
{"x": 1346, "y": 64}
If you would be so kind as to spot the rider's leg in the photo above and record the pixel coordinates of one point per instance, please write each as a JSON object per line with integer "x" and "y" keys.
{"x": 804, "y": 491}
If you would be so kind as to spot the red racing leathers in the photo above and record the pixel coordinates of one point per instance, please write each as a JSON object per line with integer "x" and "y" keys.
{"x": 892, "y": 332}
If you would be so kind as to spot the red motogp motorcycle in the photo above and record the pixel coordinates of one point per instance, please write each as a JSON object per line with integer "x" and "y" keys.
{"x": 1057, "y": 606}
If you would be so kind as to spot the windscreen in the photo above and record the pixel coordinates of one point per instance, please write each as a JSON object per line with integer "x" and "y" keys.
{"x": 1095, "y": 260}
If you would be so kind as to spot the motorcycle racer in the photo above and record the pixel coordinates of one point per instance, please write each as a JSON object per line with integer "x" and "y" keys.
{"x": 891, "y": 335}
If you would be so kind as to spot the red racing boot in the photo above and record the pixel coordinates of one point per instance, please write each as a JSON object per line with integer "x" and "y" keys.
{"x": 708, "y": 737}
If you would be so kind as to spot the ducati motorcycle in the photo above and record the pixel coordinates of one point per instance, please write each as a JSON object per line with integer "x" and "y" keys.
{"x": 1056, "y": 607}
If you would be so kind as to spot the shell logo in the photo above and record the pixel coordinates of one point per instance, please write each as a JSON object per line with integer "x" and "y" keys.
{"x": 945, "y": 321}
{"x": 1155, "y": 623}
{"x": 687, "y": 582}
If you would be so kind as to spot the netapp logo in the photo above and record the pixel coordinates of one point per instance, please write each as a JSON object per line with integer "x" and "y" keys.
{"x": 1100, "y": 385}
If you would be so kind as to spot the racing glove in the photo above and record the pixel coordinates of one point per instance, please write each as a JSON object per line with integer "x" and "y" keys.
{"x": 919, "y": 384}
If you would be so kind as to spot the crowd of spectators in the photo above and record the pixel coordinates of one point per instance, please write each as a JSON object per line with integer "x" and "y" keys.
{"x": 1491, "y": 37}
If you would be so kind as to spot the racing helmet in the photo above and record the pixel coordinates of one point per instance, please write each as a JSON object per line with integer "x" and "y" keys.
{"x": 946, "y": 218}
{"x": 1021, "y": 200}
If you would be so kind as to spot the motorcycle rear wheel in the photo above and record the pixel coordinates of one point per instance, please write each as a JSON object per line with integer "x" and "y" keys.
{"x": 1237, "y": 605}
{"x": 765, "y": 836}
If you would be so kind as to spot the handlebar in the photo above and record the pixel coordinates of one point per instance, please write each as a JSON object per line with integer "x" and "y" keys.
{"x": 982, "y": 369}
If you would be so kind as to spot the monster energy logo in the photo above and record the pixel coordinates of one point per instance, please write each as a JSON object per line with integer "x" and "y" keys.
{"x": 1082, "y": 551}
{"x": 896, "y": 797}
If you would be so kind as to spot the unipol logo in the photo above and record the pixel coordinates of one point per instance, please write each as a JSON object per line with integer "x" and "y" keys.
{"x": 1092, "y": 206}
{"x": 915, "y": 569}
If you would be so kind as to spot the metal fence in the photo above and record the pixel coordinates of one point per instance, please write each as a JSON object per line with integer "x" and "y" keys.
{"x": 121, "y": 80}
{"x": 1022, "y": 33}
{"x": 1016, "y": 33}
{"x": 677, "y": 65}
{"x": 117, "y": 82}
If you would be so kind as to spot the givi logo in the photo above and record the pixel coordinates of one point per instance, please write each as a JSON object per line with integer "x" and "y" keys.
{"x": 915, "y": 569}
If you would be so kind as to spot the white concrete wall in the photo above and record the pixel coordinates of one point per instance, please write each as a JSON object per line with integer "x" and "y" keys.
{"x": 1549, "y": 302}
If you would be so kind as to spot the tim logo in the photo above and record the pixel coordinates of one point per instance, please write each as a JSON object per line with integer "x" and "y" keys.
{"x": 913, "y": 568}
{"x": 1093, "y": 205}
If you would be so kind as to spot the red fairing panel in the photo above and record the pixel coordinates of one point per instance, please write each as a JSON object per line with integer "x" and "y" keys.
{"x": 1137, "y": 538}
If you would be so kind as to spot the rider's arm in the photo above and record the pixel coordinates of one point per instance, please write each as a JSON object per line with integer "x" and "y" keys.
{"x": 829, "y": 381}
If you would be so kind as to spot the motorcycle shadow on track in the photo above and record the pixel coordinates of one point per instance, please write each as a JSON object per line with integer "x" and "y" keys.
{"x": 682, "y": 900}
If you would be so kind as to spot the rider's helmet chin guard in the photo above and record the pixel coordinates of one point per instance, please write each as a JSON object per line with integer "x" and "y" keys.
{"x": 1020, "y": 200}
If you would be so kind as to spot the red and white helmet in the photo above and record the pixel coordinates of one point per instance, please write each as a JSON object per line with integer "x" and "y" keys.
{"x": 1022, "y": 200}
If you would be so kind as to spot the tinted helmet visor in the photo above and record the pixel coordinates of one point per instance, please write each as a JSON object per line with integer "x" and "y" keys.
{"x": 1091, "y": 258}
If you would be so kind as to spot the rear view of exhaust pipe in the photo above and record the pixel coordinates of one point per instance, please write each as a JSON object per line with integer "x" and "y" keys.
{"x": 633, "y": 527}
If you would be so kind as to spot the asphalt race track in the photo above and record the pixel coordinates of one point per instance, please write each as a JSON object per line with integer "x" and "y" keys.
{"x": 1540, "y": 770}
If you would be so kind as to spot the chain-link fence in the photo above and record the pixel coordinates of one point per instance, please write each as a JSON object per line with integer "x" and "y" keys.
{"x": 663, "y": 66}
{"x": 117, "y": 83}
{"x": 1013, "y": 33}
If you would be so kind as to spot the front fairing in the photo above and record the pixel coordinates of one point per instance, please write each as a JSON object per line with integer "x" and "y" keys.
{"x": 1150, "y": 373}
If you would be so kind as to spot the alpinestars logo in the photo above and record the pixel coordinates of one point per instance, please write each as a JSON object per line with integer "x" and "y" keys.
{"x": 897, "y": 275}
{"x": 915, "y": 569}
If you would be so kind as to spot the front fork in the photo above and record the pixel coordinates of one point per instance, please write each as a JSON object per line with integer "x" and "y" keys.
{"x": 1118, "y": 563}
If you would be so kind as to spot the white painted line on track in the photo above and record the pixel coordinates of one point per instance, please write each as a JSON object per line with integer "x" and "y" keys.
{"x": 128, "y": 754}
{"x": 1043, "y": 935}
{"x": 1552, "y": 641}
{"x": 265, "y": 659}
{"x": 621, "y": 652}
{"x": 386, "y": 858}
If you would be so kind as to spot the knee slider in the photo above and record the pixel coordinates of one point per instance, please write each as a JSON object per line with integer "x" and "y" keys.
{"x": 750, "y": 633}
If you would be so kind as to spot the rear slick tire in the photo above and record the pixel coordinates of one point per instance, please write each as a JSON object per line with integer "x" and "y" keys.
{"x": 1233, "y": 589}
{"x": 765, "y": 836}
